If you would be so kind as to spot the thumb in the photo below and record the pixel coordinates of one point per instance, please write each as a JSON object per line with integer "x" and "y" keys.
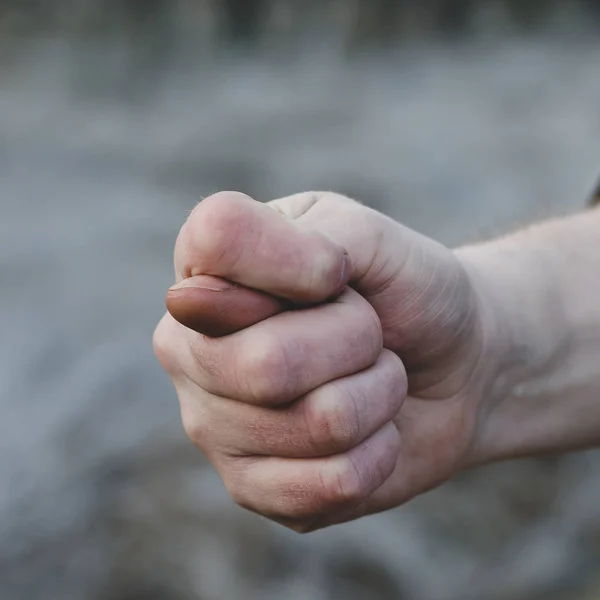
{"x": 231, "y": 236}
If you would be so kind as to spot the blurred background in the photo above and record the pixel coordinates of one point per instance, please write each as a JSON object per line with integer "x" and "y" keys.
{"x": 461, "y": 118}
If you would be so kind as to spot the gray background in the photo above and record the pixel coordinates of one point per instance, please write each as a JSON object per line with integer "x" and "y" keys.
{"x": 115, "y": 119}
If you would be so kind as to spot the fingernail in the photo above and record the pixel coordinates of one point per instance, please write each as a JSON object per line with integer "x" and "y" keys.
{"x": 211, "y": 284}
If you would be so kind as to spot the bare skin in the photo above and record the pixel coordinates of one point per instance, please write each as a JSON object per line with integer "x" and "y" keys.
{"x": 332, "y": 363}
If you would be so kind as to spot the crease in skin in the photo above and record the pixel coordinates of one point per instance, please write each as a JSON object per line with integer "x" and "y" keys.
{"x": 278, "y": 205}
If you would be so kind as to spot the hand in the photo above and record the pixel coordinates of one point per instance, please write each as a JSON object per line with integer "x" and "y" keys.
{"x": 356, "y": 356}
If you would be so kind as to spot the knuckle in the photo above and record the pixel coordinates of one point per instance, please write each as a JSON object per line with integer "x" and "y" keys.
{"x": 159, "y": 343}
{"x": 239, "y": 496}
{"x": 197, "y": 417}
{"x": 331, "y": 419}
{"x": 398, "y": 378}
{"x": 263, "y": 365}
{"x": 324, "y": 270}
{"x": 162, "y": 344}
{"x": 342, "y": 484}
{"x": 237, "y": 486}
{"x": 195, "y": 427}
{"x": 211, "y": 227}
{"x": 221, "y": 211}
{"x": 369, "y": 329}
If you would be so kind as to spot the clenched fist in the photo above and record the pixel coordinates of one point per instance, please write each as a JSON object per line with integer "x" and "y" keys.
{"x": 327, "y": 359}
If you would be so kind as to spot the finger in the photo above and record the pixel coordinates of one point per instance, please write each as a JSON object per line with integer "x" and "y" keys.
{"x": 232, "y": 236}
{"x": 282, "y": 358}
{"x": 287, "y": 488}
{"x": 329, "y": 420}
{"x": 216, "y": 307}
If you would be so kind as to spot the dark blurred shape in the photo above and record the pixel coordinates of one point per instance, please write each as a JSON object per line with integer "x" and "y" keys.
{"x": 143, "y": 592}
{"x": 531, "y": 14}
{"x": 453, "y": 15}
{"x": 140, "y": 12}
{"x": 591, "y": 6}
{"x": 355, "y": 579}
{"x": 379, "y": 20}
{"x": 248, "y": 22}
{"x": 242, "y": 20}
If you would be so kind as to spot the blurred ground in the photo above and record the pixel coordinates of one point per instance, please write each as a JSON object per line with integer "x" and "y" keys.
{"x": 104, "y": 149}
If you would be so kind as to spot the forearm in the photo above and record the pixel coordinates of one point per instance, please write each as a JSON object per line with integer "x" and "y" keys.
{"x": 541, "y": 290}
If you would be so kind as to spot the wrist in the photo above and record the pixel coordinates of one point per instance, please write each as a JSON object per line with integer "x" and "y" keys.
{"x": 525, "y": 338}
